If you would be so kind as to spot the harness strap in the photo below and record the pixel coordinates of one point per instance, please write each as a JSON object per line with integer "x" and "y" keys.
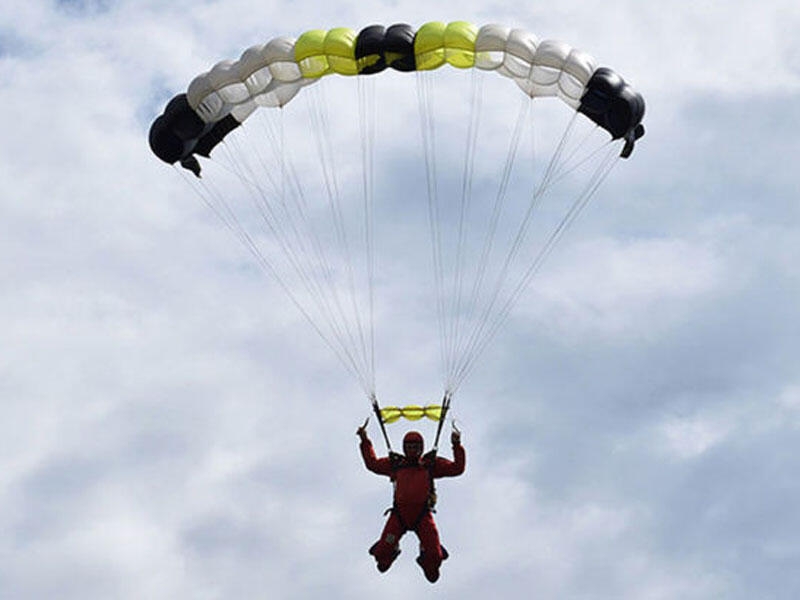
{"x": 394, "y": 510}
{"x": 430, "y": 503}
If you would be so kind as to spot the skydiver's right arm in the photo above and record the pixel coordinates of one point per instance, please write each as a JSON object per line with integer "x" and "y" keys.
{"x": 381, "y": 466}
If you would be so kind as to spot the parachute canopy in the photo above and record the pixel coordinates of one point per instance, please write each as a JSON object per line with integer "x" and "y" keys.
{"x": 272, "y": 74}
{"x": 288, "y": 188}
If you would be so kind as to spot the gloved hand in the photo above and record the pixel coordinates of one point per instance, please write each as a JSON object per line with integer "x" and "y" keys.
{"x": 362, "y": 431}
{"x": 455, "y": 437}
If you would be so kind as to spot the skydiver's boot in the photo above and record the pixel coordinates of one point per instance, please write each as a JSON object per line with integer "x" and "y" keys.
{"x": 383, "y": 563}
{"x": 383, "y": 566}
{"x": 431, "y": 571}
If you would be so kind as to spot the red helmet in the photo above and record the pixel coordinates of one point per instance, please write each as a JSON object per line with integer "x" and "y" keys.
{"x": 412, "y": 437}
{"x": 413, "y": 444}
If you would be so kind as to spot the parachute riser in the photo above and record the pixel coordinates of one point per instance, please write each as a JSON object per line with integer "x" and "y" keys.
{"x": 377, "y": 410}
{"x": 445, "y": 410}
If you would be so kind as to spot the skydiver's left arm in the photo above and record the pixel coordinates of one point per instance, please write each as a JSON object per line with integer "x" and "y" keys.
{"x": 455, "y": 467}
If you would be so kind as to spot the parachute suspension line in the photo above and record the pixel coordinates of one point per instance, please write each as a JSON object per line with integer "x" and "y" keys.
{"x": 598, "y": 177}
{"x": 562, "y": 167}
{"x": 552, "y": 168}
{"x": 324, "y": 281}
{"x": 567, "y": 164}
{"x": 276, "y": 224}
{"x": 315, "y": 105}
{"x": 313, "y": 280}
{"x": 601, "y": 172}
{"x": 569, "y": 169}
{"x": 320, "y": 125}
{"x": 272, "y": 219}
{"x": 357, "y": 312}
{"x": 281, "y": 226}
{"x": 425, "y": 103}
{"x": 476, "y": 98}
{"x": 478, "y": 332}
{"x": 367, "y": 112}
{"x": 215, "y": 202}
{"x": 491, "y": 231}
{"x": 335, "y": 314}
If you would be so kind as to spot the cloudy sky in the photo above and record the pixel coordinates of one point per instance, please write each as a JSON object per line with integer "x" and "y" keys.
{"x": 173, "y": 428}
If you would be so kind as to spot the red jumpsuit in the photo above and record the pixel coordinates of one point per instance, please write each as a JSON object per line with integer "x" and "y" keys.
{"x": 412, "y": 487}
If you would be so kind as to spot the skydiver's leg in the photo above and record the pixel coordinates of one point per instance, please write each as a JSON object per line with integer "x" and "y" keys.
{"x": 387, "y": 548}
{"x": 430, "y": 549}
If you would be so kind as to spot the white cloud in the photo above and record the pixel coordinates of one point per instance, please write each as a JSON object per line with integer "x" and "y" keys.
{"x": 615, "y": 287}
{"x": 789, "y": 398}
{"x": 687, "y": 438}
{"x": 172, "y": 428}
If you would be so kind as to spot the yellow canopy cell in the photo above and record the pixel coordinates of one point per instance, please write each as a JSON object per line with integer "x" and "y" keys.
{"x": 459, "y": 43}
{"x": 309, "y": 54}
{"x": 340, "y": 49}
{"x": 429, "y": 46}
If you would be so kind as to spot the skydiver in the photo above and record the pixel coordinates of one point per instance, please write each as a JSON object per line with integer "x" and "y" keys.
{"x": 412, "y": 475}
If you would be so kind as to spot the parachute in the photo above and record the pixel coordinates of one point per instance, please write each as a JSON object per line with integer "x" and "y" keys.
{"x": 285, "y": 235}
